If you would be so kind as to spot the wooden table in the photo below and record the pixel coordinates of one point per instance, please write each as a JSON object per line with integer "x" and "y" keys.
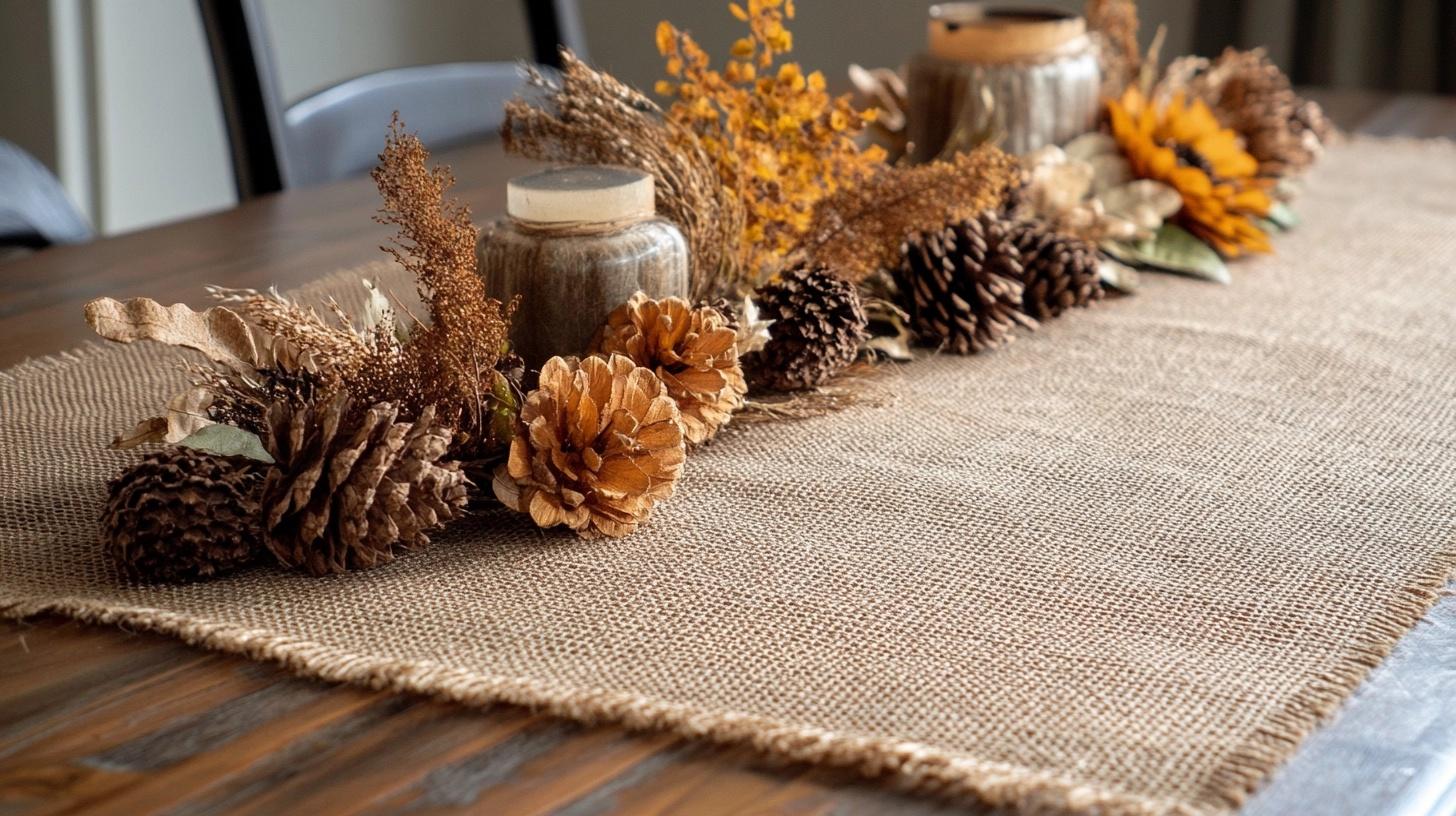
{"x": 98, "y": 719}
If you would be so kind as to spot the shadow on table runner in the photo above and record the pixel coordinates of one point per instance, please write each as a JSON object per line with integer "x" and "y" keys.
{"x": 1123, "y": 565}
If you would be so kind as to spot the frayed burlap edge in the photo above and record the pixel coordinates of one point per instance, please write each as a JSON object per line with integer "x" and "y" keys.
{"x": 1276, "y": 740}
{"x": 911, "y": 766}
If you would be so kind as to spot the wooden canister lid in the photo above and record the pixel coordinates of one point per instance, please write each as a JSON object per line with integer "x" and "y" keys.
{"x": 588, "y": 193}
{"x": 980, "y": 33}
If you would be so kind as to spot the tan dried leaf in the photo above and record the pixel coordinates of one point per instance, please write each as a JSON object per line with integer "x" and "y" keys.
{"x": 217, "y": 332}
{"x": 186, "y": 413}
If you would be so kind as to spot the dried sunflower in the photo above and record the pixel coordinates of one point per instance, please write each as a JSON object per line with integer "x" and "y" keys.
{"x": 1183, "y": 145}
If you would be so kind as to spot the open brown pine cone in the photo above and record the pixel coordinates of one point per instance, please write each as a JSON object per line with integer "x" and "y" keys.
{"x": 600, "y": 442}
{"x": 1248, "y": 93}
{"x": 818, "y": 325}
{"x": 352, "y": 489}
{"x": 182, "y": 514}
{"x": 962, "y": 285}
{"x": 691, "y": 349}
{"x": 1058, "y": 271}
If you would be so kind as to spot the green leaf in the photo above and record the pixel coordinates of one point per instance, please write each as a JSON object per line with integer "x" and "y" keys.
{"x": 1118, "y": 275}
{"x": 1172, "y": 249}
{"x": 1281, "y": 216}
{"x": 228, "y": 440}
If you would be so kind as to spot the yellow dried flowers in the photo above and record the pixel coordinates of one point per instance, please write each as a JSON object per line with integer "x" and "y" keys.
{"x": 781, "y": 143}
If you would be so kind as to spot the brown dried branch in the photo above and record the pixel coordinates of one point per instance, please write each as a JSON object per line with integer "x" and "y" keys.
{"x": 592, "y": 118}
{"x": 858, "y": 232}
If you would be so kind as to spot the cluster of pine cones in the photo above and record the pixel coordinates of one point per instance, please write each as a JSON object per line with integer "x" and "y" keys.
{"x": 348, "y": 489}
{"x": 969, "y": 284}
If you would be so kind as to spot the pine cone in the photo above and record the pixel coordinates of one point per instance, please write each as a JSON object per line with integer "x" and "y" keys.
{"x": 1249, "y": 93}
{"x": 690, "y": 349}
{"x": 724, "y": 307}
{"x": 183, "y": 514}
{"x": 599, "y": 443}
{"x": 351, "y": 488}
{"x": 962, "y": 285}
{"x": 1058, "y": 271}
{"x": 818, "y": 326}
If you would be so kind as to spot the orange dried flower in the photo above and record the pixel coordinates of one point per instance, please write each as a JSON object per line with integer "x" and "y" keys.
{"x": 599, "y": 444}
{"x": 693, "y": 351}
{"x": 781, "y": 143}
{"x": 1184, "y": 146}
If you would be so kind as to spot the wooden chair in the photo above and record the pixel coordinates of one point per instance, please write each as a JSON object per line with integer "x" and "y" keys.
{"x": 337, "y": 132}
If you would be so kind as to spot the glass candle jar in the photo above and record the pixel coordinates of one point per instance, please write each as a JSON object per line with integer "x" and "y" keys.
{"x": 576, "y": 243}
{"x": 1037, "y": 69}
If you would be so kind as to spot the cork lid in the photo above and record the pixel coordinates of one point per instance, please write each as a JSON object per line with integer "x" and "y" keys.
{"x": 582, "y": 193}
{"x": 982, "y": 33}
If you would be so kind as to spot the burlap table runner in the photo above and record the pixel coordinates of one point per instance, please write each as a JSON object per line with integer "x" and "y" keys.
{"x": 1121, "y": 566}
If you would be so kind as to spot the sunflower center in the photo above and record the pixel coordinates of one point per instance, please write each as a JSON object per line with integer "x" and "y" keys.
{"x": 1192, "y": 158}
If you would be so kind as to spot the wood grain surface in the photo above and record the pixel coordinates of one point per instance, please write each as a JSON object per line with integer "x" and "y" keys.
{"x": 96, "y": 719}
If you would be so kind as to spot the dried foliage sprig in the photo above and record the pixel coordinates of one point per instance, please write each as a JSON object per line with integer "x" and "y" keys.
{"x": 452, "y": 361}
{"x": 780, "y": 141}
{"x": 594, "y": 118}
{"x": 858, "y": 232}
{"x": 1115, "y": 25}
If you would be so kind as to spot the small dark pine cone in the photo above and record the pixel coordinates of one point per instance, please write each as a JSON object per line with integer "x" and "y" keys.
{"x": 962, "y": 285}
{"x": 183, "y": 514}
{"x": 724, "y": 307}
{"x": 818, "y": 326}
{"x": 1058, "y": 271}
{"x": 351, "y": 489}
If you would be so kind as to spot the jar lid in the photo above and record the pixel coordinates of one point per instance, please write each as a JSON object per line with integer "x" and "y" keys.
{"x": 982, "y": 33}
{"x": 590, "y": 193}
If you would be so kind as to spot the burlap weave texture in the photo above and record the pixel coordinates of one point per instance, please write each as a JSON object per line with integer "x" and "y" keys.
{"x": 1122, "y": 565}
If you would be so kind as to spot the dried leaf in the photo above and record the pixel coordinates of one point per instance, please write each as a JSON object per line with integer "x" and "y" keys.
{"x": 227, "y": 440}
{"x": 1173, "y": 249}
{"x": 186, "y": 413}
{"x": 1145, "y": 202}
{"x": 145, "y": 432}
{"x": 217, "y": 332}
{"x": 1117, "y": 275}
{"x": 1282, "y": 216}
{"x": 753, "y": 333}
{"x": 379, "y": 312}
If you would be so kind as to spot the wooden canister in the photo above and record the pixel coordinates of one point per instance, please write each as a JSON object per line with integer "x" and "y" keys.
{"x": 576, "y": 243}
{"x": 1038, "y": 69}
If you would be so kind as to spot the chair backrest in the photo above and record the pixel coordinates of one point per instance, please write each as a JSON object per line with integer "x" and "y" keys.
{"x": 336, "y": 133}
{"x": 34, "y": 209}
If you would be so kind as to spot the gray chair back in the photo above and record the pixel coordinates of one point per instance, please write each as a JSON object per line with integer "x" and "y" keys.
{"x": 337, "y": 132}
{"x": 34, "y": 209}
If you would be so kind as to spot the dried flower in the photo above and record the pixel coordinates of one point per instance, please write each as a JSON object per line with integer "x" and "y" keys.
{"x": 857, "y": 232}
{"x": 781, "y": 143}
{"x": 1184, "y": 146}
{"x": 1087, "y": 189}
{"x": 593, "y": 118}
{"x": 1249, "y": 93}
{"x": 599, "y": 444}
{"x": 692, "y": 350}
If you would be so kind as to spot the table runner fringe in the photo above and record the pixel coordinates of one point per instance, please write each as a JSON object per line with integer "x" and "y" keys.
{"x": 913, "y": 767}
{"x": 1273, "y": 743}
